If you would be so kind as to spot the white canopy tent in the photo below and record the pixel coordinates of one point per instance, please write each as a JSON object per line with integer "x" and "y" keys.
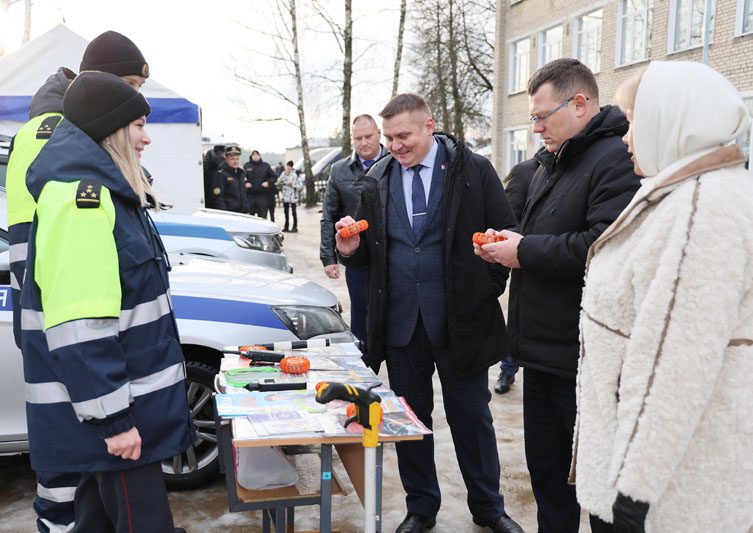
{"x": 174, "y": 157}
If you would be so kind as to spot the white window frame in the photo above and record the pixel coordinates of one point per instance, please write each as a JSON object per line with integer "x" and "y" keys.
{"x": 673, "y": 25}
{"x": 740, "y": 18}
{"x": 648, "y": 28}
{"x": 576, "y": 35}
{"x": 512, "y": 47}
{"x": 748, "y": 96}
{"x": 509, "y": 148}
{"x": 541, "y": 45}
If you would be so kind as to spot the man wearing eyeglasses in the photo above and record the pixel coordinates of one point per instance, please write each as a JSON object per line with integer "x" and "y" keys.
{"x": 584, "y": 181}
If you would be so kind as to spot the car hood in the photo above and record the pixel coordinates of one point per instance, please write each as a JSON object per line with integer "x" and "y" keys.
{"x": 228, "y": 223}
{"x": 233, "y": 222}
{"x": 244, "y": 282}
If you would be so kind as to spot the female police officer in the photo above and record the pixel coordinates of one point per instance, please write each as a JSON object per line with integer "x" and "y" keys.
{"x": 104, "y": 370}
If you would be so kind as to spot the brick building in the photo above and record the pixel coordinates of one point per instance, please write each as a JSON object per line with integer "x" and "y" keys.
{"x": 613, "y": 37}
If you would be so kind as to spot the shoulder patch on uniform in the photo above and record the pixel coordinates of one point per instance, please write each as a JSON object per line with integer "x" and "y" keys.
{"x": 88, "y": 193}
{"x": 47, "y": 126}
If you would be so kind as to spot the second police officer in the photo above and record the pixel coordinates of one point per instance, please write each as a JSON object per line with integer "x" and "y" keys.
{"x": 229, "y": 183}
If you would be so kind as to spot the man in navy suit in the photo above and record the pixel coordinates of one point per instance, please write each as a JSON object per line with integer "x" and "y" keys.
{"x": 432, "y": 303}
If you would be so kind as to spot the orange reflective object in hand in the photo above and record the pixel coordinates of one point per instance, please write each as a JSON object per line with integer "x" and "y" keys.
{"x": 484, "y": 238}
{"x": 354, "y": 229}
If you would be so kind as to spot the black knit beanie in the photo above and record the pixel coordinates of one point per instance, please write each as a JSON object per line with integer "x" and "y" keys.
{"x": 100, "y": 103}
{"x": 115, "y": 53}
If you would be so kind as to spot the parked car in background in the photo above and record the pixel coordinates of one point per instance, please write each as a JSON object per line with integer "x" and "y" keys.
{"x": 320, "y": 170}
{"x": 220, "y": 234}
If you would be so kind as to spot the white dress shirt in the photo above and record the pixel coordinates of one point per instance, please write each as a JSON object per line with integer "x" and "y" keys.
{"x": 426, "y": 172}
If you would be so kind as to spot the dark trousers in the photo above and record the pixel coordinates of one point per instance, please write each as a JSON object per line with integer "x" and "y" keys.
{"x": 466, "y": 403}
{"x": 126, "y": 501}
{"x": 508, "y": 366}
{"x": 356, "y": 278}
{"x": 549, "y": 421}
{"x": 257, "y": 205}
{"x": 54, "y": 501}
{"x": 271, "y": 204}
{"x": 292, "y": 207}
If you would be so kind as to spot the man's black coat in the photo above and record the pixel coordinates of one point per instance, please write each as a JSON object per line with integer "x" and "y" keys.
{"x": 472, "y": 200}
{"x": 575, "y": 195}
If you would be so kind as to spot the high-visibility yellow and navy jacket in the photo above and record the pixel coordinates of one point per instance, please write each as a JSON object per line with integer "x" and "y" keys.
{"x": 99, "y": 339}
{"x": 45, "y": 112}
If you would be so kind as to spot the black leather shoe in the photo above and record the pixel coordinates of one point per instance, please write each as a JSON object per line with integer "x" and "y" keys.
{"x": 504, "y": 382}
{"x": 415, "y": 523}
{"x": 503, "y": 524}
{"x": 179, "y": 530}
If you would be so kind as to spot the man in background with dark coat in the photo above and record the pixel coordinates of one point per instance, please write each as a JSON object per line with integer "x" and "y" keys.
{"x": 585, "y": 180}
{"x": 212, "y": 161}
{"x": 262, "y": 190}
{"x": 516, "y": 189}
{"x": 229, "y": 183}
{"x": 340, "y": 199}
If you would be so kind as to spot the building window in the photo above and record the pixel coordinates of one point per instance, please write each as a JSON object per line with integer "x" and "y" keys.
{"x": 517, "y": 147}
{"x": 550, "y": 45}
{"x": 520, "y": 59}
{"x": 686, "y": 24}
{"x": 744, "y": 17}
{"x": 634, "y": 39}
{"x": 588, "y": 39}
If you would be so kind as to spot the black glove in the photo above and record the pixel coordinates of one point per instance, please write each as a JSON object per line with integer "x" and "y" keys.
{"x": 629, "y": 515}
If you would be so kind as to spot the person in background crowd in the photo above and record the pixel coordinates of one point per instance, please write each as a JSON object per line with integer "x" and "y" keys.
{"x": 341, "y": 199}
{"x": 109, "y": 52}
{"x": 516, "y": 189}
{"x": 584, "y": 181}
{"x": 262, "y": 190}
{"x": 279, "y": 169}
{"x": 105, "y": 395}
{"x": 431, "y": 303}
{"x": 212, "y": 161}
{"x": 664, "y": 430}
{"x": 292, "y": 185}
{"x": 229, "y": 184}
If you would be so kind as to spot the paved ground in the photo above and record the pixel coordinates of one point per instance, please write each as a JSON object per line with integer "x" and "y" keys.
{"x": 205, "y": 510}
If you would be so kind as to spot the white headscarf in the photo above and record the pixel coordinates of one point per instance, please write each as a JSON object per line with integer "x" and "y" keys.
{"x": 682, "y": 110}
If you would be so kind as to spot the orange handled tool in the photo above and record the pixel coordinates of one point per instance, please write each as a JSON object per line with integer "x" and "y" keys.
{"x": 484, "y": 238}
{"x": 354, "y": 229}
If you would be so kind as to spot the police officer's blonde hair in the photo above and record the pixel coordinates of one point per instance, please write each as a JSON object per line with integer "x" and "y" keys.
{"x": 118, "y": 145}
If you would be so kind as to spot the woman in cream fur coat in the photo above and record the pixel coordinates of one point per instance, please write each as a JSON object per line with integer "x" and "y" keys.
{"x": 664, "y": 434}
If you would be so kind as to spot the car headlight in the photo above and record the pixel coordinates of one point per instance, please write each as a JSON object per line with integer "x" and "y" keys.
{"x": 306, "y": 322}
{"x": 266, "y": 242}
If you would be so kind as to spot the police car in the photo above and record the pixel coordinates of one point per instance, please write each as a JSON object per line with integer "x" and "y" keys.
{"x": 217, "y": 303}
{"x": 224, "y": 235}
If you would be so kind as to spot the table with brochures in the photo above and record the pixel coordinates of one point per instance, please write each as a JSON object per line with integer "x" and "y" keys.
{"x": 294, "y": 421}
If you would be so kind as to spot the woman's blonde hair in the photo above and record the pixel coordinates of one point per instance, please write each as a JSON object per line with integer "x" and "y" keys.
{"x": 118, "y": 144}
{"x": 628, "y": 90}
